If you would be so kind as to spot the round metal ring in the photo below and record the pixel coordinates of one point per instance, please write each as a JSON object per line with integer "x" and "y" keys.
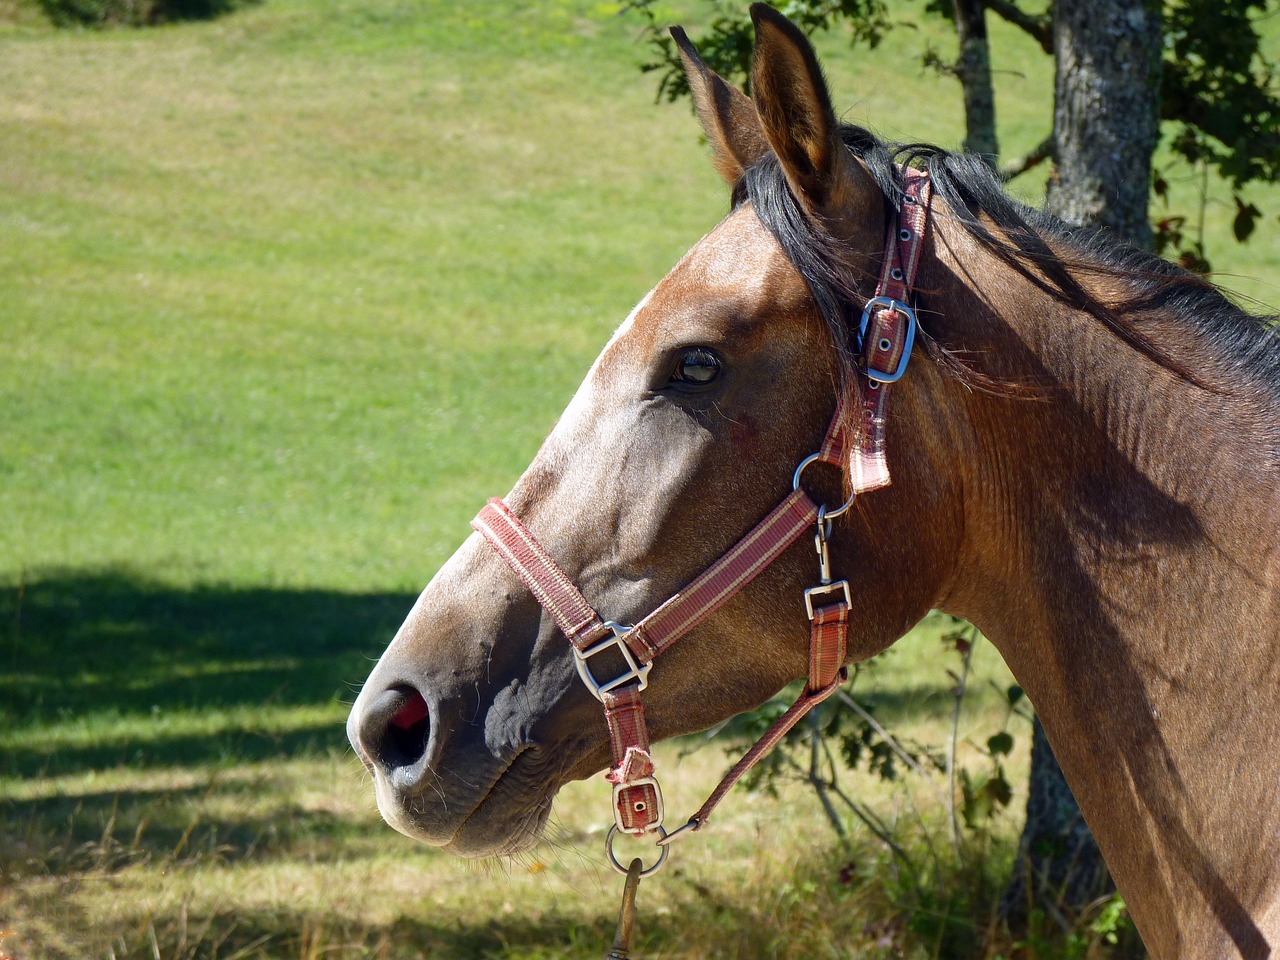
{"x": 795, "y": 485}
{"x": 648, "y": 871}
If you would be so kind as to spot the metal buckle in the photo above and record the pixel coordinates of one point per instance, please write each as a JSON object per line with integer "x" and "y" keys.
{"x": 657, "y": 793}
{"x": 827, "y": 588}
{"x": 888, "y": 303}
{"x": 635, "y": 670}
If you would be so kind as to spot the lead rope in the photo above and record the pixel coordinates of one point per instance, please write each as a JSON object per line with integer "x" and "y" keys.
{"x": 621, "y": 949}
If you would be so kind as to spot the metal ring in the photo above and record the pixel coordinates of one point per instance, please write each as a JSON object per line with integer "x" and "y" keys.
{"x": 795, "y": 485}
{"x": 648, "y": 871}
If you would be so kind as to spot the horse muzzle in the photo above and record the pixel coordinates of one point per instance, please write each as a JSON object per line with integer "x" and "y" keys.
{"x": 458, "y": 795}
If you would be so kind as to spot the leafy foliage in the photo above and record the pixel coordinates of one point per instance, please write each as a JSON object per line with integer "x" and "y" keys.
{"x": 135, "y": 13}
{"x": 1218, "y": 86}
{"x": 729, "y": 39}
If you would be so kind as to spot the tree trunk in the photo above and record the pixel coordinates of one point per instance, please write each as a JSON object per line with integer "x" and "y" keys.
{"x": 1106, "y": 113}
{"x": 974, "y": 71}
{"x": 1059, "y": 869}
{"x": 1106, "y": 125}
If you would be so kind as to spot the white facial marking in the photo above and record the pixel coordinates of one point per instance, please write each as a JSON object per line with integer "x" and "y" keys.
{"x": 581, "y": 406}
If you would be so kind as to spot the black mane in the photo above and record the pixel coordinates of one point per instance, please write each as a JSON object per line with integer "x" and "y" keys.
{"x": 1247, "y": 345}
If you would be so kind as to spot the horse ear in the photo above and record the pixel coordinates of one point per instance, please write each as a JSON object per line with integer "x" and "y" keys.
{"x": 794, "y": 107}
{"x": 728, "y": 116}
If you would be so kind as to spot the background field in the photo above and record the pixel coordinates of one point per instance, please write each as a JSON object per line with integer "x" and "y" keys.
{"x": 283, "y": 298}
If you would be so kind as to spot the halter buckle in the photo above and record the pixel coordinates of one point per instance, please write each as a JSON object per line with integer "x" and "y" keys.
{"x": 875, "y": 305}
{"x": 823, "y": 588}
{"x": 635, "y": 669}
{"x": 658, "y": 814}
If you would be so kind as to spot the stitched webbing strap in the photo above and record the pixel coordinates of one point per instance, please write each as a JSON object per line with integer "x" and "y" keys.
{"x": 827, "y": 649}
{"x": 549, "y": 584}
{"x": 637, "y": 802}
{"x": 720, "y": 581}
{"x": 889, "y": 331}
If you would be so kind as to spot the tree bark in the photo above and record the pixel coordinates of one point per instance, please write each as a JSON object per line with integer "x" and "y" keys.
{"x": 1059, "y": 869}
{"x": 1106, "y": 125}
{"x": 1106, "y": 113}
{"x": 974, "y": 71}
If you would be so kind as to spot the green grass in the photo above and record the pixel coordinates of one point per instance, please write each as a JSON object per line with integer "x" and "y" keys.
{"x": 283, "y": 298}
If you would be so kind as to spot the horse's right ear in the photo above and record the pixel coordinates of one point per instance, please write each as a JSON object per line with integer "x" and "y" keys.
{"x": 728, "y": 116}
{"x": 795, "y": 112}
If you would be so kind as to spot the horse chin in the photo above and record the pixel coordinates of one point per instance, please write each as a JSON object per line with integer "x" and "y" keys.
{"x": 504, "y": 838}
{"x": 507, "y": 819}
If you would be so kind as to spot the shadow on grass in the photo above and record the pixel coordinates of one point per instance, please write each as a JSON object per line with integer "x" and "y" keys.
{"x": 86, "y": 654}
{"x": 110, "y": 829}
{"x": 704, "y": 923}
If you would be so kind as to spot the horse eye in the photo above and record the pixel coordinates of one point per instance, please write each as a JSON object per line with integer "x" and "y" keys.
{"x": 697, "y": 366}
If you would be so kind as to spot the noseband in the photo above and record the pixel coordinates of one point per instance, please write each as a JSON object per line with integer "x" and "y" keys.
{"x": 885, "y": 337}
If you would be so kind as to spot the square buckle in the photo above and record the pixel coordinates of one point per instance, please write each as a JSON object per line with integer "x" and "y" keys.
{"x": 874, "y": 305}
{"x": 823, "y": 588}
{"x": 659, "y": 812}
{"x": 635, "y": 669}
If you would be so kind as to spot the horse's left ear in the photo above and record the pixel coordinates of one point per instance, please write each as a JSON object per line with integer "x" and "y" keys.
{"x": 795, "y": 110}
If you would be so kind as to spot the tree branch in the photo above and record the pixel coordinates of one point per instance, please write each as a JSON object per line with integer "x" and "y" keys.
{"x": 961, "y": 683}
{"x": 1042, "y": 152}
{"x": 1039, "y": 27}
{"x": 815, "y": 776}
{"x": 885, "y": 735}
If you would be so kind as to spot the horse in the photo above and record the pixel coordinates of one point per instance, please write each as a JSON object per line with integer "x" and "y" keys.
{"x": 1085, "y": 459}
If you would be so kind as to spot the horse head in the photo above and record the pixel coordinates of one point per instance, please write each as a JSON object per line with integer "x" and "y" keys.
{"x": 686, "y": 431}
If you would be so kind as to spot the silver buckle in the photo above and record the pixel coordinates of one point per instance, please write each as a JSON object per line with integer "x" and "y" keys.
{"x": 635, "y": 670}
{"x": 827, "y": 588}
{"x": 874, "y": 305}
{"x": 657, "y": 793}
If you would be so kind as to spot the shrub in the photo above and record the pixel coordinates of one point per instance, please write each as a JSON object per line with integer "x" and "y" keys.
{"x": 134, "y": 13}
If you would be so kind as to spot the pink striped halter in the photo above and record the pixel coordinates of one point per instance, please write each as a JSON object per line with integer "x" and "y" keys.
{"x": 886, "y": 334}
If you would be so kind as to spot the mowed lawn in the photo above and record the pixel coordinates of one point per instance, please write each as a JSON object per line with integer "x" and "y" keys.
{"x": 283, "y": 298}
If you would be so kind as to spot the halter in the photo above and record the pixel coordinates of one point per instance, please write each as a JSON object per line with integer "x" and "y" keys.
{"x": 885, "y": 337}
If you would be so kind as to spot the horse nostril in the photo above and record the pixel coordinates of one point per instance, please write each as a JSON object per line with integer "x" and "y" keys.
{"x": 407, "y": 731}
{"x": 395, "y": 729}
{"x": 413, "y": 713}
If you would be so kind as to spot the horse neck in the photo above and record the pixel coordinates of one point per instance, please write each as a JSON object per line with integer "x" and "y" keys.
{"x": 1120, "y": 549}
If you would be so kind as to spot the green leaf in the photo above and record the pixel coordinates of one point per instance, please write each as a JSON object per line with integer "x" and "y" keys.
{"x": 999, "y": 792}
{"x": 1001, "y": 743}
{"x": 1245, "y": 220}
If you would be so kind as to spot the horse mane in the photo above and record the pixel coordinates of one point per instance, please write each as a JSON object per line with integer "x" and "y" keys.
{"x": 1039, "y": 247}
